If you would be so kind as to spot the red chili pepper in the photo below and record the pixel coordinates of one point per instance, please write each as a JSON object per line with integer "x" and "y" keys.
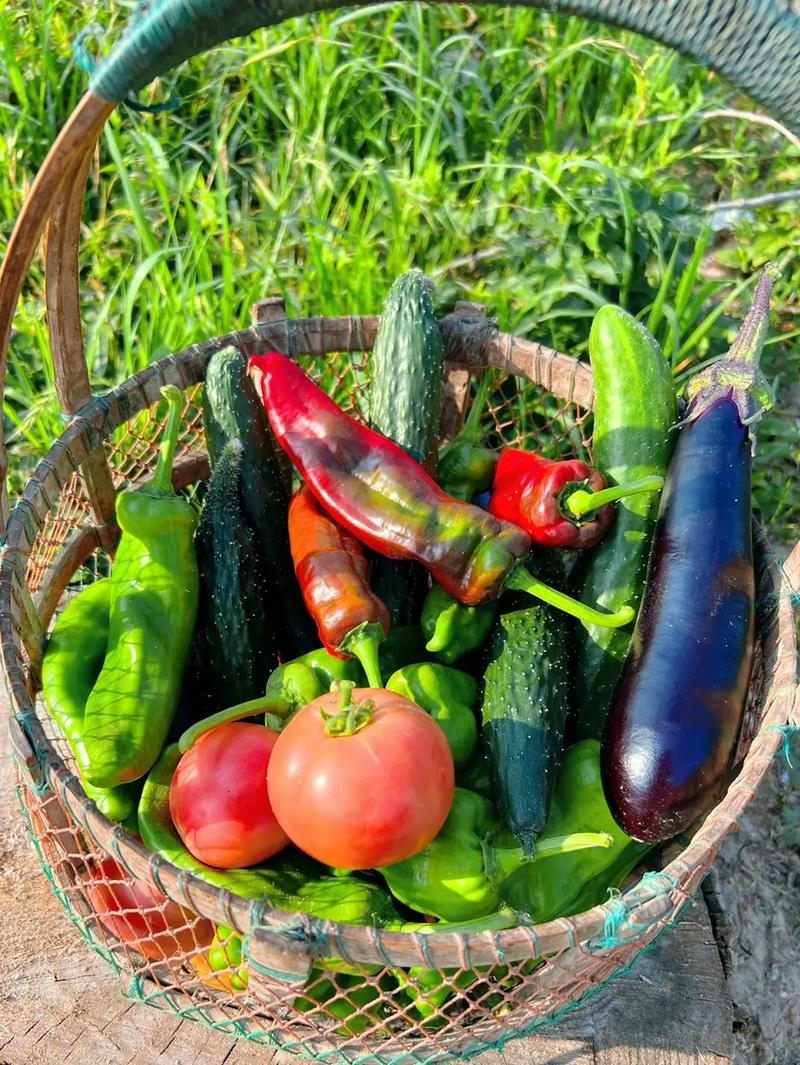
{"x": 333, "y": 572}
{"x": 384, "y": 498}
{"x": 549, "y": 499}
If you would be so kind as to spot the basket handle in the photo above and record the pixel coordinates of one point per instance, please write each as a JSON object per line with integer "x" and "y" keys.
{"x": 756, "y": 45}
{"x": 753, "y": 43}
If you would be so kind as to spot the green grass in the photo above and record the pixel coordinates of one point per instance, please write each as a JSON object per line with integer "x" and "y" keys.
{"x": 321, "y": 158}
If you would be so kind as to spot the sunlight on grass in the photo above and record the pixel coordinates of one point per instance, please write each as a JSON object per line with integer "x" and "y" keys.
{"x": 321, "y": 158}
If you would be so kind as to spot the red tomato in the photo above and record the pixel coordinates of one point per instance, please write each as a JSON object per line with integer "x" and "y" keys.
{"x": 138, "y": 914}
{"x": 363, "y": 800}
{"x": 218, "y": 797}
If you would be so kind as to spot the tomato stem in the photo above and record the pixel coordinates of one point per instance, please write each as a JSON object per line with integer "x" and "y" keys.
{"x": 350, "y": 717}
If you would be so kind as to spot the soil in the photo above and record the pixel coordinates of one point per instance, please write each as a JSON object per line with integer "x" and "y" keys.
{"x": 757, "y": 882}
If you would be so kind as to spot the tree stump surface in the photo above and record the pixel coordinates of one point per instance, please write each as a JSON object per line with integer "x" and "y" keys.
{"x": 61, "y": 1003}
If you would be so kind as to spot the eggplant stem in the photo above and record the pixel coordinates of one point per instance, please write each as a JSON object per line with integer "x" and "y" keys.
{"x": 582, "y": 502}
{"x": 522, "y": 580}
{"x": 161, "y": 482}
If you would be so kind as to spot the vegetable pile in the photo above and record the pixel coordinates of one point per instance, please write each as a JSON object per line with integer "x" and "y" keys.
{"x": 394, "y": 685}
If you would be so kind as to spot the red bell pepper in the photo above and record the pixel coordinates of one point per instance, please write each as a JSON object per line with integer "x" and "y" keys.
{"x": 333, "y": 572}
{"x": 550, "y": 499}
{"x": 387, "y": 500}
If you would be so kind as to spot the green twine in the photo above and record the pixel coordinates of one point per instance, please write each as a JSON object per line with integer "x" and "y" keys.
{"x": 787, "y": 731}
{"x": 87, "y": 63}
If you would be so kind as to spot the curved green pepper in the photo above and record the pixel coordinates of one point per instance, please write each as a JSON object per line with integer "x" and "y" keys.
{"x": 570, "y": 883}
{"x": 453, "y": 629}
{"x": 154, "y": 591}
{"x": 459, "y": 874}
{"x": 71, "y": 665}
{"x": 449, "y": 696}
{"x": 291, "y": 881}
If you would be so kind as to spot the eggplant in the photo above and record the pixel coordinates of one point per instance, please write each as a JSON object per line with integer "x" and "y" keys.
{"x": 675, "y": 716}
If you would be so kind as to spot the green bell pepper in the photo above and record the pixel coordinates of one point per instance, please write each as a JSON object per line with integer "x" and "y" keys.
{"x": 570, "y": 883}
{"x": 459, "y": 874}
{"x": 449, "y": 696}
{"x": 465, "y": 466}
{"x": 295, "y": 684}
{"x": 72, "y": 662}
{"x": 453, "y": 629}
{"x": 291, "y": 881}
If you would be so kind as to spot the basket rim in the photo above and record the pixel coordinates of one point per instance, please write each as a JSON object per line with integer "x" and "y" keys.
{"x": 646, "y": 904}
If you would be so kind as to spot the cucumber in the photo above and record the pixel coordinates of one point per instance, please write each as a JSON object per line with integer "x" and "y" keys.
{"x": 235, "y": 644}
{"x": 524, "y": 710}
{"x": 633, "y": 414}
{"x": 407, "y": 380}
{"x": 233, "y": 411}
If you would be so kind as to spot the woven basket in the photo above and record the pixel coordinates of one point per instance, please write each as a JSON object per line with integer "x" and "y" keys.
{"x": 328, "y": 990}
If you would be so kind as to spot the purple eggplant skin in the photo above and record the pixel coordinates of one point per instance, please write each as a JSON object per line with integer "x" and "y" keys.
{"x": 672, "y": 728}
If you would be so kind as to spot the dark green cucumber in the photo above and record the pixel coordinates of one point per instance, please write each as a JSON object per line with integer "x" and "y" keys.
{"x": 233, "y": 411}
{"x": 407, "y": 379}
{"x": 634, "y": 412}
{"x": 524, "y": 711}
{"x": 235, "y": 645}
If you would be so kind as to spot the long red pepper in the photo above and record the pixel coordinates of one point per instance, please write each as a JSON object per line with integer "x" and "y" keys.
{"x": 385, "y": 498}
{"x": 333, "y": 572}
{"x": 550, "y": 499}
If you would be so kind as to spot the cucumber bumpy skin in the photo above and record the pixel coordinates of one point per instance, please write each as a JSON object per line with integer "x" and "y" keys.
{"x": 407, "y": 374}
{"x": 524, "y": 711}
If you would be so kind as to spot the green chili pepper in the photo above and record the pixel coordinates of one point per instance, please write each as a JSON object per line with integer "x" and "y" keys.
{"x": 571, "y": 883}
{"x": 154, "y": 590}
{"x": 465, "y": 466}
{"x": 291, "y": 881}
{"x": 453, "y": 629}
{"x": 449, "y": 696}
{"x": 71, "y": 665}
{"x": 459, "y": 874}
{"x": 360, "y": 1008}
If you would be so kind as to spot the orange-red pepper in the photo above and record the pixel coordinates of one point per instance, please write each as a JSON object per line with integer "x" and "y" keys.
{"x": 333, "y": 572}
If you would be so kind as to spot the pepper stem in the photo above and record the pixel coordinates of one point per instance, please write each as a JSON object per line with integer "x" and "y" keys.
{"x": 350, "y": 717}
{"x": 161, "y": 481}
{"x": 471, "y": 430}
{"x": 492, "y": 922}
{"x": 363, "y": 643}
{"x": 233, "y": 713}
{"x": 522, "y": 580}
{"x": 501, "y": 861}
{"x": 581, "y": 501}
